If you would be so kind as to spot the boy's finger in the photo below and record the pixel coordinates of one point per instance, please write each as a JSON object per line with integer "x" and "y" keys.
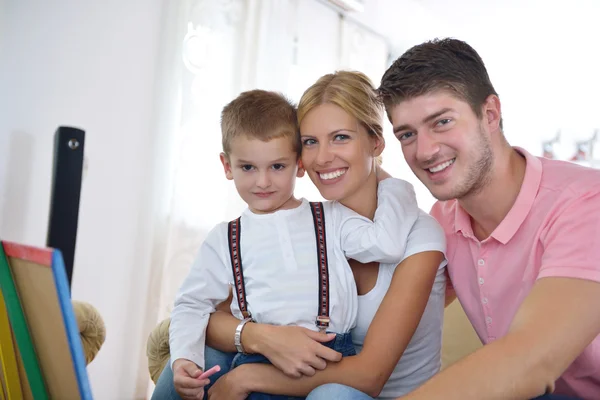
{"x": 210, "y": 372}
{"x": 192, "y": 370}
{"x": 185, "y": 382}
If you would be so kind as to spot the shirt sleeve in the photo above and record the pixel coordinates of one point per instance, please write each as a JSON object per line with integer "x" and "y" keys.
{"x": 571, "y": 240}
{"x": 206, "y": 286}
{"x": 437, "y": 213}
{"x": 384, "y": 238}
{"x": 426, "y": 235}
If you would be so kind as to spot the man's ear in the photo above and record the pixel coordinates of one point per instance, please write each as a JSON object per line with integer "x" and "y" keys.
{"x": 301, "y": 169}
{"x": 492, "y": 112}
{"x": 226, "y": 166}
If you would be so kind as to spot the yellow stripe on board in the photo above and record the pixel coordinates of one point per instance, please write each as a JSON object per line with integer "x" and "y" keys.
{"x": 8, "y": 358}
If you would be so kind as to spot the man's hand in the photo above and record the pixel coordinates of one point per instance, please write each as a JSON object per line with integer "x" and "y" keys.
{"x": 230, "y": 386}
{"x": 186, "y": 376}
{"x": 294, "y": 350}
{"x": 381, "y": 174}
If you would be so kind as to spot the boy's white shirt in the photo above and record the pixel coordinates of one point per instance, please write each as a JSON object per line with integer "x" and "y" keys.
{"x": 279, "y": 260}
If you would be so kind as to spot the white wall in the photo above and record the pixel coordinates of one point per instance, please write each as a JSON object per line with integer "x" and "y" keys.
{"x": 93, "y": 65}
{"x": 543, "y": 60}
{"x": 90, "y": 65}
{"x": 542, "y": 57}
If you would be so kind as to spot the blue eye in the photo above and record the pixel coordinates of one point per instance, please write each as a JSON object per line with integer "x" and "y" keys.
{"x": 341, "y": 137}
{"x": 247, "y": 167}
{"x": 444, "y": 121}
{"x": 308, "y": 142}
{"x": 405, "y": 135}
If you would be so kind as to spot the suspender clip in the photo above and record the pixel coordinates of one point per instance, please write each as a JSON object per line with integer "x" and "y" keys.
{"x": 322, "y": 323}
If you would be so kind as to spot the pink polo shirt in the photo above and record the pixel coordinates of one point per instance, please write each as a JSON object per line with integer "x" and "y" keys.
{"x": 553, "y": 229}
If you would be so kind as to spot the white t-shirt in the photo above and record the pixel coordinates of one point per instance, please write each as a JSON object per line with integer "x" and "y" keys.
{"x": 279, "y": 261}
{"x": 422, "y": 357}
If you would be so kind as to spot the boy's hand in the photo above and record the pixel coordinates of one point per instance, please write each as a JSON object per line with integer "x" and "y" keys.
{"x": 186, "y": 380}
{"x": 381, "y": 174}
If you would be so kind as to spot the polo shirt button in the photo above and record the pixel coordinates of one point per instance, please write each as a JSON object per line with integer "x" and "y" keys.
{"x": 481, "y": 281}
{"x": 484, "y": 300}
{"x": 488, "y": 320}
{"x": 481, "y": 262}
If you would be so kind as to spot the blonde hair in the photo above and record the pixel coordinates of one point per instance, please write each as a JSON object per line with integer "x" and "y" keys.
{"x": 353, "y": 92}
{"x": 260, "y": 114}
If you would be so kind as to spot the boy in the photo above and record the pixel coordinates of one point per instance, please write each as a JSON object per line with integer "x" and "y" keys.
{"x": 289, "y": 275}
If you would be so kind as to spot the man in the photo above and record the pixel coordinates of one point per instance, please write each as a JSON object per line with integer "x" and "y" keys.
{"x": 523, "y": 232}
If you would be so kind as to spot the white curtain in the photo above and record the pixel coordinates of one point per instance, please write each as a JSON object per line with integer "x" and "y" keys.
{"x": 214, "y": 50}
{"x": 364, "y": 50}
{"x": 227, "y": 46}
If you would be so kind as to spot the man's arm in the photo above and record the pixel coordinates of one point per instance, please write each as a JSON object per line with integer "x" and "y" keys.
{"x": 555, "y": 323}
{"x": 450, "y": 292}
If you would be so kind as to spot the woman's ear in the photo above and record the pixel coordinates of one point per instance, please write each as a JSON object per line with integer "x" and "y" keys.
{"x": 379, "y": 145}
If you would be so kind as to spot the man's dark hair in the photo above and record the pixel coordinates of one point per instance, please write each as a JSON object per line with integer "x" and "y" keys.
{"x": 440, "y": 64}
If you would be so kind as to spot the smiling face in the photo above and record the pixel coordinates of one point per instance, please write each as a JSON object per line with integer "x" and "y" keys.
{"x": 445, "y": 144}
{"x": 264, "y": 172}
{"x": 337, "y": 151}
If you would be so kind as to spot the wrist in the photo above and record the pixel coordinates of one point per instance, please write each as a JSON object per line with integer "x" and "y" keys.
{"x": 243, "y": 377}
{"x": 251, "y": 337}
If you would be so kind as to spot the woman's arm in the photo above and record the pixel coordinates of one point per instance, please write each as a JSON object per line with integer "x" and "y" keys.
{"x": 294, "y": 350}
{"x": 388, "y": 336}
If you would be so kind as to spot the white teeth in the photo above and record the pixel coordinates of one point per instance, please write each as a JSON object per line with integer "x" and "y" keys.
{"x": 443, "y": 166}
{"x": 332, "y": 175}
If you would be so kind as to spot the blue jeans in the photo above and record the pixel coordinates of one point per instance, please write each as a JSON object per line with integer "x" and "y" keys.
{"x": 165, "y": 390}
{"x": 337, "y": 391}
{"x": 342, "y": 344}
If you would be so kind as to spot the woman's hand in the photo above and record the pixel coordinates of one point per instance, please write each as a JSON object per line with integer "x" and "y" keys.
{"x": 294, "y": 350}
{"x": 230, "y": 386}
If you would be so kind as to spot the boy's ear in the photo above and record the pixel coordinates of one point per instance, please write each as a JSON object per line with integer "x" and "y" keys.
{"x": 301, "y": 169}
{"x": 226, "y": 166}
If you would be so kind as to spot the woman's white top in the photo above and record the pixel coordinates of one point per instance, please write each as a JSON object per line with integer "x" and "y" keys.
{"x": 279, "y": 261}
{"x": 422, "y": 358}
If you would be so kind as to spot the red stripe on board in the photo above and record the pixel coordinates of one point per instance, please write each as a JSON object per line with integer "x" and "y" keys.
{"x": 34, "y": 254}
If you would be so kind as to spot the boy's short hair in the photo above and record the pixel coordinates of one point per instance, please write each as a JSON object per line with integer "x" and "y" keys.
{"x": 440, "y": 64}
{"x": 260, "y": 114}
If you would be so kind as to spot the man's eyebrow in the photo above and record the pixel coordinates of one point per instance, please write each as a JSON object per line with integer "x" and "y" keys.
{"x": 425, "y": 120}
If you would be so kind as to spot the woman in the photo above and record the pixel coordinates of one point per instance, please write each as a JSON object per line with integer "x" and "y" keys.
{"x": 341, "y": 127}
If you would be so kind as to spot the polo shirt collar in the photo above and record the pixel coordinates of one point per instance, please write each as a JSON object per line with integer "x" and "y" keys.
{"x": 520, "y": 209}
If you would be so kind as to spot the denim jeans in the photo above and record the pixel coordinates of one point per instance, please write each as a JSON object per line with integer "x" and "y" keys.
{"x": 165, "y": 390}
{"x": 337, "y": 391}
{"x": 342, "y": 344}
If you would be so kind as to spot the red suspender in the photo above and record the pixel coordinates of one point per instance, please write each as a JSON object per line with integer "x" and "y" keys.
{"x": 322, "y": 320}
{"x": 234, "y": 234}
